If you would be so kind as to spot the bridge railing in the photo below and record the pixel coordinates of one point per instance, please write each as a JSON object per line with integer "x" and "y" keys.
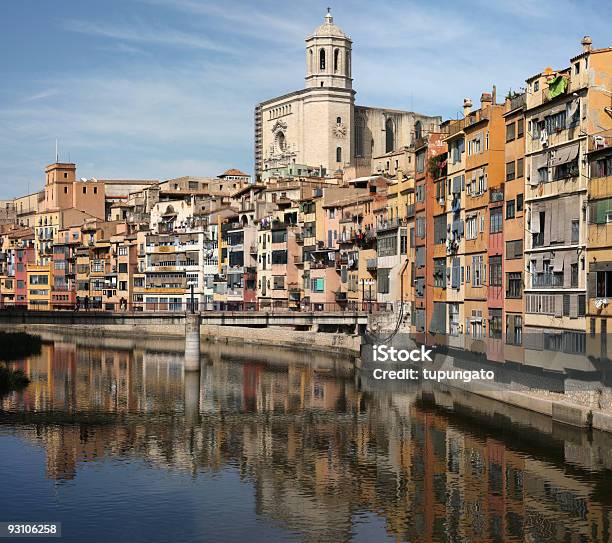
{"x": 267, "y": 306}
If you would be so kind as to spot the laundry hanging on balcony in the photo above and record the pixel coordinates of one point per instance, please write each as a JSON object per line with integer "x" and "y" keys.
{"x": 556, "y": 86}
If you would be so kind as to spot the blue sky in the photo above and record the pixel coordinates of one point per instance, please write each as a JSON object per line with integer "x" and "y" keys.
{"x": 159, "y": 89}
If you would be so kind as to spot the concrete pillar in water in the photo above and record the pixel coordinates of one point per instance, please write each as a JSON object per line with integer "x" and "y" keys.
{"x": 192, "y": 342}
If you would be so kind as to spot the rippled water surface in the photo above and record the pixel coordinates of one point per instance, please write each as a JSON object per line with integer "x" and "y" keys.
{"x": 119, "y": 444}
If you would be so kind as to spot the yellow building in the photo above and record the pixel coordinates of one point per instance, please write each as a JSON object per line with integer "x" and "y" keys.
{"x": 39, "y": 284}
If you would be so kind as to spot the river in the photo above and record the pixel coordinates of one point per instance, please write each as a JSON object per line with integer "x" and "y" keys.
{"x": 115, "y": 441}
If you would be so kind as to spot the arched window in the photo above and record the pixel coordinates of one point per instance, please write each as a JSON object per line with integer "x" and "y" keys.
{"x": 336, "y": 59}
{"x": 280, "y": 141}
{"x": 338, "y": 120}
{"x": 310, "y": 61}
{"x": 338, "y": 154}
{"x": 389, "y": 136}
{"x": 322, "y": 59}
{"x": 418, "y": 130}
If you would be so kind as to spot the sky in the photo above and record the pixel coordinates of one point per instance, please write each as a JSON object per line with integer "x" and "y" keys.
{"x": 155, "y": 89}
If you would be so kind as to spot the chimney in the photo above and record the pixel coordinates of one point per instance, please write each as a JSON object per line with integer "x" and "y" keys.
{"x": 587, "y": 44}
{"x": 485, "y": 98}
{"x": 494, "y": 94}
{"x": 467, "y": 106}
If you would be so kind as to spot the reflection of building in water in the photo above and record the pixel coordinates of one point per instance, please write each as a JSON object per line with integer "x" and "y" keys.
{"x": 316, "y": 450}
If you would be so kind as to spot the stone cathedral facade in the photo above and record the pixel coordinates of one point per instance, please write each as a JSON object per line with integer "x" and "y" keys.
{"x": 320, "y": 126}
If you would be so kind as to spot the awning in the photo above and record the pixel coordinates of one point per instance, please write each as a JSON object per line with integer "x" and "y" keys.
{"x": 558, "y": 262}
{"x": 565, "y": 154}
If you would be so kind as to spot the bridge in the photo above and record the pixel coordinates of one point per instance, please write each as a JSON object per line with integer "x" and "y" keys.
{"x": 314, "y": 320}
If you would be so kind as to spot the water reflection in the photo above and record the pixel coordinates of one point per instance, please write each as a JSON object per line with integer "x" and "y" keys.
{"x": 320, "y": 456}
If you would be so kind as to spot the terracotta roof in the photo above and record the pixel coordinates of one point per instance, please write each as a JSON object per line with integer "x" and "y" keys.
{"x": 234, "y": 171}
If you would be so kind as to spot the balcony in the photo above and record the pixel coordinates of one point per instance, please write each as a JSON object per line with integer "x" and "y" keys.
{"x": 390, "y": 224}
{"x": 235, "y": 293}
{"x": 496, "y": 194}
{"x": 547, "y": 280}
{"x": 340, "y": 296}
{"x": 601, "y": 140}
{"x": 372, "y": 264}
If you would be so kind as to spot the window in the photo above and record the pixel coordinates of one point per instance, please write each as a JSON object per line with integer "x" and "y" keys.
{"x": 520, "y": 168}
{"x": 322, "y": 60}
{"x": 564, "y": 171}
{"x": 418, "y": 130}
{"x": 602, "y": 167}
{"x": 440, "y": 272}
{"x": 383, "y": 280}
{"x": 514, "y": 249}
{"x": 39, "y": 279}
{"x": 495, "y": 323}
{"x": 278, "y": 282}
{"x": 420, "y": 193}
{"x": 577, "y": 68}
{"x": 496, "y": 220}
{"x": 603, "y": 286}
{"x": 520, "y": 128}
{"x": 84, "y": 190}
{"x": 336, "y": 60}
{"x": 440, "y": 229}
{"x": 338, "y": 154}
{"x": 555, "y": 123}
{"x": 519, "y": 202}
{"x": 390, "y": 138}
{"x": 514, "y": 329}
{"x": 510, "y": 172}
{"x": 495, "y": 271}
{"x": 338, "y": 120}
{"x": 536, "y": 86}
{"x": 574, "y": 275}
{"x": 279, "y": 257}
{"x": 420, "y": 227}
{"x": 65, "y": 190}
{"x": 477, "y": 270}
{"x": 122, "y": 251}
{"x": 123, "y": 267}
{"x": 420, "y": 162}
{"x": 317, "y": 285}
{"x": 510, "y": 131}
{"x": 575, "y": 231}
{"x": 510, "y": 209}
{"x": 471, "y": 229}
{"x": 514, "y": 285}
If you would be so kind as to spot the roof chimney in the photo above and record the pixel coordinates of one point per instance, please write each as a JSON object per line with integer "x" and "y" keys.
{"x": 587, "y": 44}
{"x": 494, "y": 94}
{"x": 485, "y": 98}
{"x": 467, "y": 106}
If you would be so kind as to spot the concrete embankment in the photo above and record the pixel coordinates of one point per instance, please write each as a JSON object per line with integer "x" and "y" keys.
{"x": 330, "y": 342}
{"x": 583, "y": 404}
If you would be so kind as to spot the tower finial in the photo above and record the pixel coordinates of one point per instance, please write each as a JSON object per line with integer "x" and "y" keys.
{"x": 328, "y": 17}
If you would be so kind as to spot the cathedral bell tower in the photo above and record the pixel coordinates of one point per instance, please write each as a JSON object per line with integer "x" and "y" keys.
{"x": 328, "y": 56}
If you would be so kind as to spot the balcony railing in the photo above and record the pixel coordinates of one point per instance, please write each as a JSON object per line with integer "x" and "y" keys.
{"x": 371, "y": 263}
{"x": 601, "y": 140}
{"x": 547, "y": 280}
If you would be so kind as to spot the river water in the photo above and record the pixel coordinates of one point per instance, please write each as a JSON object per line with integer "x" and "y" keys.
{"x": 116, "y": 442}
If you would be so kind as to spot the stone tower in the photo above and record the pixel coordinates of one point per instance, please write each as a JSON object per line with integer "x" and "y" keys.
{"x": 328, "y": 56}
